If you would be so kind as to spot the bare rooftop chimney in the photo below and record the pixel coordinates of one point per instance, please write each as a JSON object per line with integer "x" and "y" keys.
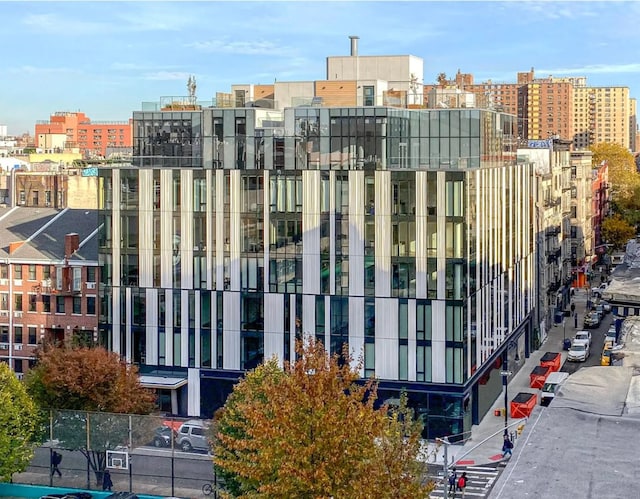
{"x": 354, "y": 45}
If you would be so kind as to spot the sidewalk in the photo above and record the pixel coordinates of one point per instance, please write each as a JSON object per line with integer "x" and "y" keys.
{"x": 476, "y": 451}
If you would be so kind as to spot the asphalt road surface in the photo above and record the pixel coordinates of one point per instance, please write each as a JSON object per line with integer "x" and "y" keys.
{"x": 597, "y": 342}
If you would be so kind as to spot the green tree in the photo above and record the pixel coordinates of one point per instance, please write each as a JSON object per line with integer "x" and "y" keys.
{"x": 311, "y": 431}
{"x": 623, "y": 174}
{"x": 617, "y": 231}
{"x": 18, "y": 421}
{"x": 629, "y": 207}
{"x": 83, "y": 388}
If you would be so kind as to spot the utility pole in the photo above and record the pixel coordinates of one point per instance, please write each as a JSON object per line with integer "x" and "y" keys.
{"x": 445, "y": 441}
{"x": 505, "y": 373}
{"x": 505, "y": 381}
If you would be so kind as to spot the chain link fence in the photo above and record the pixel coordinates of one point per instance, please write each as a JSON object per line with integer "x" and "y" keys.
{"x": 152, "y": 455}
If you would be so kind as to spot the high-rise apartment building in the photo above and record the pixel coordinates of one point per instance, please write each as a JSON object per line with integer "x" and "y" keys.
{"x": 564, "y": 107}
{"x": 602, "y": 114}
{"x": 406, "y": 234}
{"x": 545, "y": 110}
{"x": 68, "y": 130}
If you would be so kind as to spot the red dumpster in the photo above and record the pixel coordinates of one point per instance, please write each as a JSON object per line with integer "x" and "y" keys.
{"x": 523, "y": 404}
{"x": 552, "y": 360}
{"x": 538, "y": 376}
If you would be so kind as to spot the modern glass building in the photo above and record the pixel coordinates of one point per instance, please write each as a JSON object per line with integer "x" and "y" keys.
{"x": 407, "y": 234}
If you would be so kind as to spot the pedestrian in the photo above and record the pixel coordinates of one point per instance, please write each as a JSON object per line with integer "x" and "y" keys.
{"x": 453, "y": 477}
{"x": 56, "y": 459}
{"x": 462, "y": 482}
{"x": 106, "y": 481}
{"x": 507, "y": 445}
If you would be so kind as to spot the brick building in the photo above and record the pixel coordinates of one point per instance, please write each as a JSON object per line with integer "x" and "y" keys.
{"x": 65, "y": 130}
{"x": 48, "y": 280}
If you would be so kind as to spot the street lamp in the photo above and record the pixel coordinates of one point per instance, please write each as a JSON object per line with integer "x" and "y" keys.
{"x": 445, "y": 441}
{"x": 505, "y": 373}
{"x": 505, "y": 380}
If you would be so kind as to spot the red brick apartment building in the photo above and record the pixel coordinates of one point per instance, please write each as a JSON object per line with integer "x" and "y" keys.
{"x": 544, "y": 106}
{"x": 91, "y": 137}
{"x": 48, "y": 280}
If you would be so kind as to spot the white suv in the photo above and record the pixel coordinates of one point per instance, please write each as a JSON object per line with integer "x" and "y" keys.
{"x": 193, "y": 435}
{"x": 583, "y": 336}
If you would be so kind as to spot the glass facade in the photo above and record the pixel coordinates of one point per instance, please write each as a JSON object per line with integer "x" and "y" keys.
{"x": 404, "y": 234}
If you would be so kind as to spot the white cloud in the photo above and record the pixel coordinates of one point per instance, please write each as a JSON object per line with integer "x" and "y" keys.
{"x": 149, "y": 17}
{"x": 167, "y": 76}
{"x": 137, "y": 67}
{"x": 157, "y": 16}
{"x": 61, "y": 25}
{"x": 258, "y": 47}
{"x": 38, "y": 70}
{"x": 559, "y": 10}
{"x": 633, "y": 67}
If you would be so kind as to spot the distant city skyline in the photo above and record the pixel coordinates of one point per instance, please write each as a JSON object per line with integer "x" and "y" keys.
{"x": 106, "y": 58}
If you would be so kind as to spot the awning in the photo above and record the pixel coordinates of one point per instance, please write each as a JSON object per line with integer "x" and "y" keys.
{"x": 162, "y": 382}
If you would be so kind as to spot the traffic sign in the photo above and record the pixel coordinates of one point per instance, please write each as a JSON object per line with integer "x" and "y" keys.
{"x": 506, "y": 373}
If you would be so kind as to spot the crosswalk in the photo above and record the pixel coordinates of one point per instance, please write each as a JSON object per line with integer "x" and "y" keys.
{"x": 479, "y": 482}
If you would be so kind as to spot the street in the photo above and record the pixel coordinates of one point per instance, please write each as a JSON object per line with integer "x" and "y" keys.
{"x": 597, "y": 343}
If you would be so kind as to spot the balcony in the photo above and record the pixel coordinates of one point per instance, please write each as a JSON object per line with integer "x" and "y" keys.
{"x": 551, "y": 202}
{"x": 553, "y": 231}
{"x": 66, "y": 291}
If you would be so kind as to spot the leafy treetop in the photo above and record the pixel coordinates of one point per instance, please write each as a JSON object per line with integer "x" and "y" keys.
{"x": 87, "y": 379}
{"x": 621, "y": 166}
{"x": 310, "y": 431}
{"x": 617, "y": 231}
{"x": 18, "y": 420}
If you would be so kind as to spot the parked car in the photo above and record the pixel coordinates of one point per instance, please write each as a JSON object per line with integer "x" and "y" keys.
{"x": 606, "y": 306}
{"x": 605, "y": 358}
{"x": 193, "y": 435}
{"x": 583, "y": 336}
{"x": 597, "y": 291}
{"x": 579, "y": 351}
{"x": 162, "y": 436}
{"x": 592, "y": 320}
{"x": 611, "y": 335}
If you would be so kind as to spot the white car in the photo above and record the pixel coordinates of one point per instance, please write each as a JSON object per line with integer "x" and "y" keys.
{"x": 579, "y": 352}
{"x": 583, "y": 336}
{"x": 597, "y": 291}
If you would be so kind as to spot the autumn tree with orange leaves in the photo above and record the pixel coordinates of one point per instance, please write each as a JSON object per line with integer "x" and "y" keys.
{"x": 310, "y": 430}
{"x": 81, "y": 389}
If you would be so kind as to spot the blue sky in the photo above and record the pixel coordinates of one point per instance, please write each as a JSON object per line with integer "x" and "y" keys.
{"x": 106, "y": 58}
